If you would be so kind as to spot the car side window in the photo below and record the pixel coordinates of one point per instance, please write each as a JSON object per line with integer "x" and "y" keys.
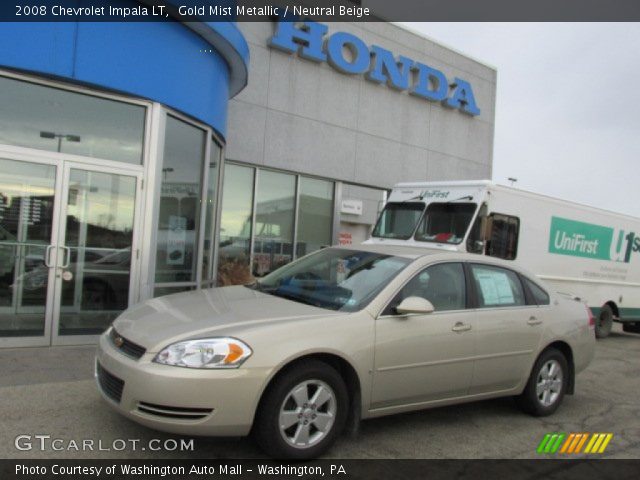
{"x": 442, "y": 284}
{"x": 497, "y": 287}
{"x": 539, "y": 295}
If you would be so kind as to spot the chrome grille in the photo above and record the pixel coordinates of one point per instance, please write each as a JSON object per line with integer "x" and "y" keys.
{"x": 127, "y": 347}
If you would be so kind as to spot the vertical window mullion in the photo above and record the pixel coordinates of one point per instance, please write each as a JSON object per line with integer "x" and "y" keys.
{"x": 252, "y": 233}
{"x": 296, "y": 212}
{"x": 213, "y": 272}
{"x": 204, "y": 187}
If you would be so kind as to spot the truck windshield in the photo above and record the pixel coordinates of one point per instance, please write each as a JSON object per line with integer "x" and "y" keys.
{"x": 398, "y": 220}
{"x": 445, "y": 222}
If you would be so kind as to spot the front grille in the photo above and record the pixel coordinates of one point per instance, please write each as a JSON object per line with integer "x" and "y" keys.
{"x": 127, "y": 347}
{"x": 111, "y": 385}
{"x": 180, "y": 413}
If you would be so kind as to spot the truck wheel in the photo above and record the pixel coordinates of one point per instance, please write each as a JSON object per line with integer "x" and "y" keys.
{"x": 631, "y": 327}
{"x": 303, "y": 412}
{"x": 547, "y": 384}
{"x": 604, "y": 322}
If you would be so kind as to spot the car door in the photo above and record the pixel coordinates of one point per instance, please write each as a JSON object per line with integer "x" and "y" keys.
{"x": 424, "y": 358}
{"x": 509, "y": 329}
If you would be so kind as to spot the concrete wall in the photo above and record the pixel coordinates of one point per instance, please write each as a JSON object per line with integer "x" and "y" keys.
{"x": 307, "y": 117}
{"x": 371, "y": 204}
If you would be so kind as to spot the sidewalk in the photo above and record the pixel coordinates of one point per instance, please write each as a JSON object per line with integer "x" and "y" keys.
{"x": 28, "y": 366}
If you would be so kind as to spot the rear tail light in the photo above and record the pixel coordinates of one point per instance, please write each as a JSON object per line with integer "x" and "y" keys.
{"x": 592, "y": 319}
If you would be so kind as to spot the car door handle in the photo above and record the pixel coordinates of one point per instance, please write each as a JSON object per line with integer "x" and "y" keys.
{"x": 461, "y": 327}
{"x": 533, "y": 321}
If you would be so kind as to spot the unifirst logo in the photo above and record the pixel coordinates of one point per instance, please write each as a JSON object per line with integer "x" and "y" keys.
{"x": 348, "y": 54}
{"x": 435, "y": 194}
{"x": 627, "y": 244}
{"x": 575, "y": 243}
{"x": 580, "y": 239}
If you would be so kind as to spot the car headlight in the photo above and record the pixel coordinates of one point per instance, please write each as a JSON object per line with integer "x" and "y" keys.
{"x": 223, "y": 352}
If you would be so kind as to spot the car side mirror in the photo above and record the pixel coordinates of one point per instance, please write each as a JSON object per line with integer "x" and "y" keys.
{"x": 415, "y": 305}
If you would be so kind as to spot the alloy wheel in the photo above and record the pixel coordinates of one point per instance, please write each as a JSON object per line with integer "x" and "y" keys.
{"x": 307, "y": 413}
{"x": 549, "y": 383}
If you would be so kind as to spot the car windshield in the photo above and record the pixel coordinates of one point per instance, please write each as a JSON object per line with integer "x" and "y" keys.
{"x": 333, "y": 278}
{"x": 445, "y": 222}
{"x": 398, "y": 220}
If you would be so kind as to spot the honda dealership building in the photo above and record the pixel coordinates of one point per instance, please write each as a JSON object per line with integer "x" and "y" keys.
{"x": 143, "y": 159}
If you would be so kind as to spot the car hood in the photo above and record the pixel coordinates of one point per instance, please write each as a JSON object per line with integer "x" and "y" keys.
{"x": 155, "y": 323}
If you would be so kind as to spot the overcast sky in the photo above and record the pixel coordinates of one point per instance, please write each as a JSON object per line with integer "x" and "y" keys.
{"x": 568, "y": 105}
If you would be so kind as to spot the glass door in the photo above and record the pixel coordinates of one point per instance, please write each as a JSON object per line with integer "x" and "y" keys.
{"x": 27, "y": 231}
{"x": 67, "y": 233}
{"x": 94, "y": 278}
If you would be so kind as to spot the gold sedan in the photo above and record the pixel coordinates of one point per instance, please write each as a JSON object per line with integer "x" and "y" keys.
{"x": 341, "y": 335}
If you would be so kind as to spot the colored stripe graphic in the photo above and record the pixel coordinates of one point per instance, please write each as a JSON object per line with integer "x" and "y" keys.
{"x": 565, "y": 447}
{"x": 543, "y": 443}
{"x": 581, "y": 442}
{"x": 573, "y": 443}
{"x": 598, "y": 442}
{"x": 550, "y": 443}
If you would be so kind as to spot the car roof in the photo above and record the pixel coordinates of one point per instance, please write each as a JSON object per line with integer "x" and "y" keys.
{"x": 399, "y": 250}
{"x": 436, "y": 254}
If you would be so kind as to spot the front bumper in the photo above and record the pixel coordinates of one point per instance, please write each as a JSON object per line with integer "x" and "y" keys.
{"x": 179, "y": 400}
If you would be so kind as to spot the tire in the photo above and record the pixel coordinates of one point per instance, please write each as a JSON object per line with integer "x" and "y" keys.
{"x": 312, "y": 426}
{"x": 539, "y": 398}
{"x": 604, "y": 322}
{"x": 627, "y": 327}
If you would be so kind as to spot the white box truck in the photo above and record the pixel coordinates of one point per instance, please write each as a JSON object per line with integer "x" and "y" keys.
{"x": 588, "y": 252}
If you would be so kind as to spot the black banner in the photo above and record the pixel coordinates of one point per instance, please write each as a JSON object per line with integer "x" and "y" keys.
{"x": 329, "y": 469}
{"x": 322, "y": 10}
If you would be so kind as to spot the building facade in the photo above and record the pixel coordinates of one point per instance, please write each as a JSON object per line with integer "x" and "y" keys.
{"x": 139, "y": 160}
{"x": 308, "y": 117}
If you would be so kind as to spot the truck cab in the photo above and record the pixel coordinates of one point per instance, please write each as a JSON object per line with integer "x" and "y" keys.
{"x": 450, "y": 216}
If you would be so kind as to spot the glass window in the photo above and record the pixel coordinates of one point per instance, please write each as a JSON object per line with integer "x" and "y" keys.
{"x": 445, "y": 222}
{"x": 443, "y": 285}
{"x": 179, "y": 202}
{"x": 333, "y": 278}
{"x": 52, "y": 119}
{"x": 503, "y": 239}
{"x": 539, "y": 295}
{"x": 398, "y": 220}
{"x": 210, "y": 211}
{"x": 315, "y": 215}
{"x": 235, "y": 226}
{"x": 275, "y": 206}
{"x": 497, "y": 287}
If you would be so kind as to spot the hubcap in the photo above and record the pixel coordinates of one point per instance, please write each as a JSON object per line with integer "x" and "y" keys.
{"x": 549, "y": 383}
{"x": 307, "y": 413}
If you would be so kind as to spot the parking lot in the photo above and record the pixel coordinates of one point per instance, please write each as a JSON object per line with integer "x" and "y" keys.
{"x": 50, "y": 391}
